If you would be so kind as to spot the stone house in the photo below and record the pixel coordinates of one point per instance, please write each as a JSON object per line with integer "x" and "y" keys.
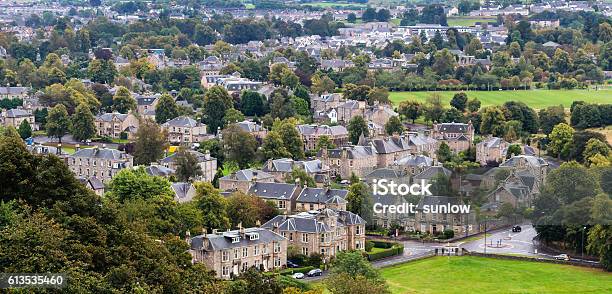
{"x": 282, "y": 168}
{"x": 320, "y": 198}
{"x": 326, "y": 232}
{"x": 14, "y": 118}
{"x": 116, "y": 125}
{"x": 184, "y": 130}
{"x": 311, "y": 133}
{"x": 232, "y": 252}
{"x": 102, "y": 163}
{"x": 349, "y": 159}
{"x": 458, "y": 136}
{"x": 492, "y": 149}
{"x": 282, "y": 194}
{"x": 243, "y": 179}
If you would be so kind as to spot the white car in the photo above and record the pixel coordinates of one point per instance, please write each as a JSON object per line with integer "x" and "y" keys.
{"x": 561, "y": 257}
{"x": 298, "y": 276}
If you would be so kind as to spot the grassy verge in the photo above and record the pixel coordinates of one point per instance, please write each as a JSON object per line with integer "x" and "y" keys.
{"x": 537, "y": 99}
{"x": 469, "y": 274}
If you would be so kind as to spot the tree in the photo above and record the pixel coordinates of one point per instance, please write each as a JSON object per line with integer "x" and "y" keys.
{"x": 599, "y": 243}
{"x": 452, "y": 115}
{"x": 131, "y": 184}
{"x": 213, "y": 206}
{"x": 550, "y": 117}
{"x": 560, "y": 140}
{"x": 253, "y": 103}
{"x": 123, "y": 102}
{"x": 351, "y": 273}
{"x": 514, "y": 149}
{"x": 150, "y": 142}
{"x": 102, "y": 71}
{"x": 324, "y": 142}
{"x": 352, "y": 17}
{"x": 83, "y": 123}
{"x": 444, "y": 63}
{"x": 216, "y": 102}
{"x": 274, "y": 147}
{"x": 240, "y": 146}
{"x": 459, "y": 101}
{"x": 300, "y": 176}
{"x": 25, "y": 130}
{"x": 292, "y": 140}
{"x": 166, "y": 109}
{"x": 394, "y": 125}
{"x": 187, "y": 166}
{"x": 444, "y": 153}
{"x": 233, "y": 115}
{"x": 410, "y": 109}
{"x": 473, "y": 105}
{"x": 357, "y": 127}
{"x": 322, "y": 84}
{"x": 359, "y": 200}
{"x": 595, "y": 147}
{"x": 493, "y": 121}
{"x": 433, "y": 108}
{"x": 246, "y": 210}
{"x": 58, "y": 122}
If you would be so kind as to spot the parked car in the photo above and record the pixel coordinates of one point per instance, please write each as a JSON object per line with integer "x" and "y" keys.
{"x": 291, "y": 264}
{"x": 315, "y": 272}
{"x": 516, "y": 229}
{"x": 561, "y": 257}
{"x": 298, "y": 276}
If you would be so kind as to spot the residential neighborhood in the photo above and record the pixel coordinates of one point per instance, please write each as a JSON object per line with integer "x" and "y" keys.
{"x": 300, "y": 146}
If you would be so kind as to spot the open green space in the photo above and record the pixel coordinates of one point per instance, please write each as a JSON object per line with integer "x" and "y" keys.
{"x": 325, "y": 4}
{"x": 468, "y": 274}
{"x": 534, "y": 98}
{"x": 468, "y": 20}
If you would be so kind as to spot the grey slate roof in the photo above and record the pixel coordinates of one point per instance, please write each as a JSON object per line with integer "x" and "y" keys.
{"x": 107, "y": 117}
{"x": 159, "y": 170}
{"x": 414, "y": 160}
{"x": 181, "y": 191}
{"x": 248, "y": 175}
{"x": 318, "y": 130}
{"x": 181, "y": 121}
{"x": 16, "y": 112}
{"x": 13, "y": 90}
{"x": 272, "y": 190}
{"x": 223, "y": 240}
{"x": 433, "y": 171}
{"x": 453, "y": 127}
{"x": 308, "y": 222}
{"x": 102, "y": 153}
{"x": 199, "y": 155}
{"x": 320, "y": 195}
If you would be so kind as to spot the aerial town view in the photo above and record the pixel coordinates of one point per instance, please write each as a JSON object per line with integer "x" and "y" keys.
{"x": 305, "y": 146}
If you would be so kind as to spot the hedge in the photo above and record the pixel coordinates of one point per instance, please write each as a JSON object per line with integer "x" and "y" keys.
{"x": 291, "y": 271}
{"x": 391, "y": 249}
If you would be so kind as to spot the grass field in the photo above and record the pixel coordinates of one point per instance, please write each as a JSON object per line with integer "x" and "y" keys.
{"x": 468, "y": 20}
{"x": 324, "y": 4}
{"x": 534, "y": 98}
{"x": 486, "y": 275}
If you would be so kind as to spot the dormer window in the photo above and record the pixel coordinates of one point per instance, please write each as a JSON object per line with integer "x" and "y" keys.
{"x": 254, "y": 236}
{"x": 235, "y": 239}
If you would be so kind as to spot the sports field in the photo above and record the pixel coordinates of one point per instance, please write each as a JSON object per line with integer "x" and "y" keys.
{"x": 534, "y": 98}
{"x": 468, "y": 20}
{"x": 486, "y": 275}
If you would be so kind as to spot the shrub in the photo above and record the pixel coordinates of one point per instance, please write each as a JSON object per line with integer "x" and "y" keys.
{"x": 369, "y": 245}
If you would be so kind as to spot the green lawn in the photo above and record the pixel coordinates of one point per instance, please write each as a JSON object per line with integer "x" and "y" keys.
{"x": 468, "y": 20}
{"x": 535, "y": 98}
{"x": 324, "y": 4}
{"x": 486, "y": 275}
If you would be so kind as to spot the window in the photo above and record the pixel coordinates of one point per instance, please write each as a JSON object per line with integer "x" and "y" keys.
{"x": 357, "y": 245}
{"x": 226, "y": 271}
{"x": 277, "y": 247}
{"x": 254, "y": 236}
{"x": 245, "y": 252}
{"x": 224, "y": 256}
{"x": 264, "y": 249}
{"x": 245, "y": 266}
{"x": 290, "y": 236}
{"x": 277, "y": 262}
{"x": 236, "y": 253}
{"x": 255, "y": 250}
{"x": 281, "y": 204}
{"x": 304, "y": 238}
{"x": 322, "y": 251}
{"x": 235, "y": 239}
{"x": 358, "y": 230}
{"x": 305, "y": 251}
{"x": 322, "y": 238}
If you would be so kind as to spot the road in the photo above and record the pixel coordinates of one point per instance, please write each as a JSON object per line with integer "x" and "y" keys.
{"x": 506, "y": 242}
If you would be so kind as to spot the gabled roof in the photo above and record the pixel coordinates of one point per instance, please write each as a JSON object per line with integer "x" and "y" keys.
{"x": 201, "y": 157}
{"x": 433, "y": 171}
{"x": 101, "y": 153}
{"x": 16, "y": 112}
{"x": 181, "y": 192}
{"x": 320, "y": 195}
{"x": 279, "y": 191}
{"x": 415, "y": 160}
{"x": 223, "y": 240}
{"x": 248, "y": 175}
{"x": 182, "y": 121}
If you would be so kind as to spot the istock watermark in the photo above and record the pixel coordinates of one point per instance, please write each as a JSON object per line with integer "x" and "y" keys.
{"x": 384, "y": 187}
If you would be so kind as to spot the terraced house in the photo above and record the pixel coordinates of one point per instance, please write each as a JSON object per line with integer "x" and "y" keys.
{"x": 103, "y": 163}
{"x": 312, "y": 133}
{"x": 325, "y": 232}
{"x": 232, "y": 252}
